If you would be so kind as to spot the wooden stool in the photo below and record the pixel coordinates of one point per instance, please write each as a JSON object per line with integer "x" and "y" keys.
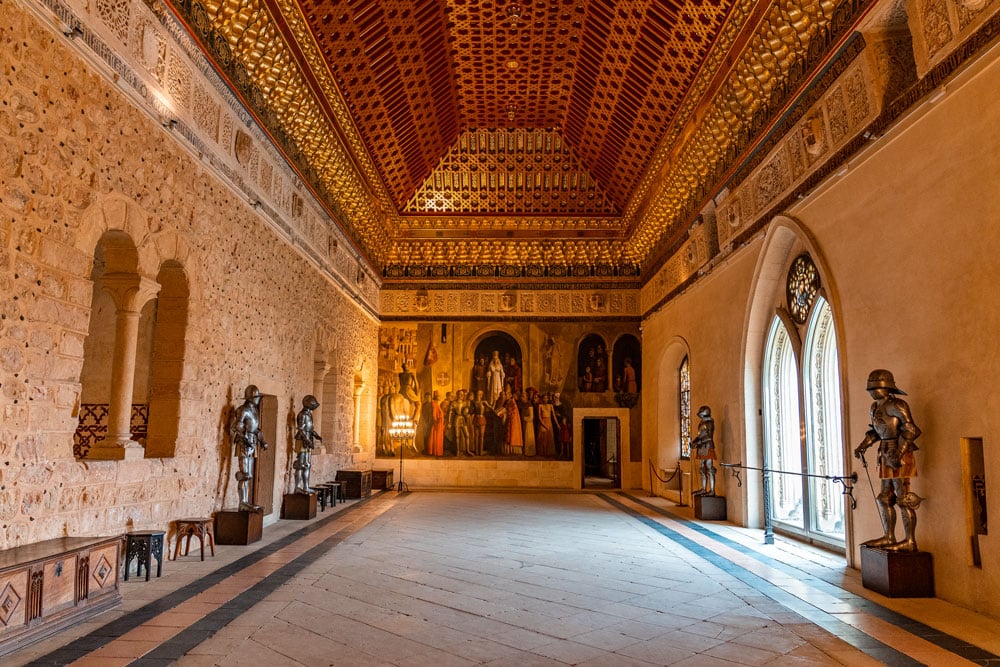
{"x": 143, "y": 545}
{"x": 197, "y": 527}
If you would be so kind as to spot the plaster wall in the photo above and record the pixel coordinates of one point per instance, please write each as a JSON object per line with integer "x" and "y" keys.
{"x": 704, "y": 322}
{"x": 76, "y": 160}
{"x": 907, "y": 237}
{"x": 910, "y": 232}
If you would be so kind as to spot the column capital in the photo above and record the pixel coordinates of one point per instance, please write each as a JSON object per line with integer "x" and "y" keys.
{"x": 130, "y": 291}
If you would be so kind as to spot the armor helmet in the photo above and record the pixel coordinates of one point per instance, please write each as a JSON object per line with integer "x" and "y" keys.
{"x": 310, "y": 402}
{"x": 704, "y": 411}
{"x": 251, "y": 392}
{"x": 882, "y": 379}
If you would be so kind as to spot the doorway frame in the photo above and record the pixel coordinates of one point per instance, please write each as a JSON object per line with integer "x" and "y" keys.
{"x": 626, "y": 467}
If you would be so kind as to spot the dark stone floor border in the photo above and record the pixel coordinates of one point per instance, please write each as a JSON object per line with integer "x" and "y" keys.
{"x": 943, "y": 640}
{"x": 107, "y": 633}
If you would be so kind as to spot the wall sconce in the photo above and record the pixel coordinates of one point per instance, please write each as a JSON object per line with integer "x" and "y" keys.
{"x": 444, "y": 333}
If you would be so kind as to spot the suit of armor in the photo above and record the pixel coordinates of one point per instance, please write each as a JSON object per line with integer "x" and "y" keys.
{"x": 703, "y": 445}
{"x": 305, "y": 438}
{"x": 245, "y": 429}
{"x": 893, "y": 429}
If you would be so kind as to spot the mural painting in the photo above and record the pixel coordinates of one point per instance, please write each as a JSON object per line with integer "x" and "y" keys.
{"x": 480, "y": 392}
{"x": 592, "y": 364}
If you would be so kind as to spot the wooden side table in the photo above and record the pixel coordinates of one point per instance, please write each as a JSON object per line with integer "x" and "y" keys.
{"x": 327, "y": 493}
{"x": 200, "y": 527}
{"x": 143, "y": 545}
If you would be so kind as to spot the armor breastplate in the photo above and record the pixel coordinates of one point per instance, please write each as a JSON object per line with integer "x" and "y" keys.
{"x": 884, "y": 424}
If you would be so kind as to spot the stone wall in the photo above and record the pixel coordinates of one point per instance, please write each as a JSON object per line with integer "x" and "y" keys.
{"x": 76, "y": 160}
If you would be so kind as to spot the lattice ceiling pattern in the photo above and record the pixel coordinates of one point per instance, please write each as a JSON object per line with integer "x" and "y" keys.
{"x": 651, "y": 100}
{"x": 515, "y": 171}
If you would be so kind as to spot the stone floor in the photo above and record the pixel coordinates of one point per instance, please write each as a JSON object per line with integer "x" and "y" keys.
{"x": 440, "y": 579}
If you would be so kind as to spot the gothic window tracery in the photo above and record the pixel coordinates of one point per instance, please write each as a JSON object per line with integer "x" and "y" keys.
{"x": 684, "y": 389}
{"x": 803, "y": 431}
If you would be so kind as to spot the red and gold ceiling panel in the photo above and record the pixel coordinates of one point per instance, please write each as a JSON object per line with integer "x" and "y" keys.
{"x": 608, "y": 75}
{"x": 575, "y": 133}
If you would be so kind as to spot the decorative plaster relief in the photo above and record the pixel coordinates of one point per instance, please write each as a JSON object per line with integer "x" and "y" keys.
{"x": 692, "y": 256}
{"x": 824, "y": 129}
{"x": 535, "y": 303}
{"x": 939, "y": 27}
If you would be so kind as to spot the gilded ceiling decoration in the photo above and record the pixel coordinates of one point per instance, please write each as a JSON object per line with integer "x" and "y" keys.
{"x": 562, "y": 137}
{"x": 514, "y": 171}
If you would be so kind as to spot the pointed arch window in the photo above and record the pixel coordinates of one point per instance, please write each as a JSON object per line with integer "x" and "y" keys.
{"x": 803, "y": 430}
{"x": 684, "y": 391}
{"x": 782, "y": 425}
{"x": 824, "y": 430}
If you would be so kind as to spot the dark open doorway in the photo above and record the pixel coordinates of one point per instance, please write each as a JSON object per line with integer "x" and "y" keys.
{"x": 601, "y": 453}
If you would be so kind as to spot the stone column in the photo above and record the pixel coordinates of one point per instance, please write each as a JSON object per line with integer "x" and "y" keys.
{"x": 359, "y": 389}
{"x": 130, "y": 293}
{"x": 320, "y": 369}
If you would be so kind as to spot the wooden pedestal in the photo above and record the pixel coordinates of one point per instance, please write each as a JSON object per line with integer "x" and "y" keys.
{"x": 906, "y": 574}
{"x": 355, "y": 483}
{"x": 299, "y": 506}
{"x": 382, "y": 479}
{"x": 238, "y": 526}
{"x": 710, "y": 508}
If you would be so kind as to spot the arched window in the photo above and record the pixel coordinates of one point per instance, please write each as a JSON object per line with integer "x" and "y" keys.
{"x": 801, "y": 404}
{"x": 167, "y": 343}
{"x": 781, "y": 426}
{"x": 684, "y": 393}
{"x": 115, "y": 340}
{"x": 824, "y": 433}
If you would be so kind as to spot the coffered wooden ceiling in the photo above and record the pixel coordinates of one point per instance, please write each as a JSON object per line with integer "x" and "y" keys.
{"x": 564, "y": 138}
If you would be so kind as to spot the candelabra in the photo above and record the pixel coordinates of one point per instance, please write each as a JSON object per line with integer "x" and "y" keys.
{"x": 401, "y": 434}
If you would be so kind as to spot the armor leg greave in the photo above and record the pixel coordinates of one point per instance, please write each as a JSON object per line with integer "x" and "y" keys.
{"x": 888, "y": 515}
{"x": 909, "y": 542}
{"x": 710, "y": 477}
{"x": 703, "y": 475}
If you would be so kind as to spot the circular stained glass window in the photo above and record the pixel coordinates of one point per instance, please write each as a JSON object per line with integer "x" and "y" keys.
{"x": 802, "y": 287}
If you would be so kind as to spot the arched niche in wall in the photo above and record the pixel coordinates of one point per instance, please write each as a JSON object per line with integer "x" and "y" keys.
{"x": 107, "y": 376}
{"x": 508, "y": 351}
{"x": 321, "y": 366}
{"x": 327, "y": 398}
{"x": 167, "y": 345}
{"x": 592, "y": 364}
{"x": 673, "y": 406}
{"x": 626, "y": 364}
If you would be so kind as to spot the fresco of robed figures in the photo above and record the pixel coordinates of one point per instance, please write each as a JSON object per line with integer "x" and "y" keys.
{"x": 496, "y": 413}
